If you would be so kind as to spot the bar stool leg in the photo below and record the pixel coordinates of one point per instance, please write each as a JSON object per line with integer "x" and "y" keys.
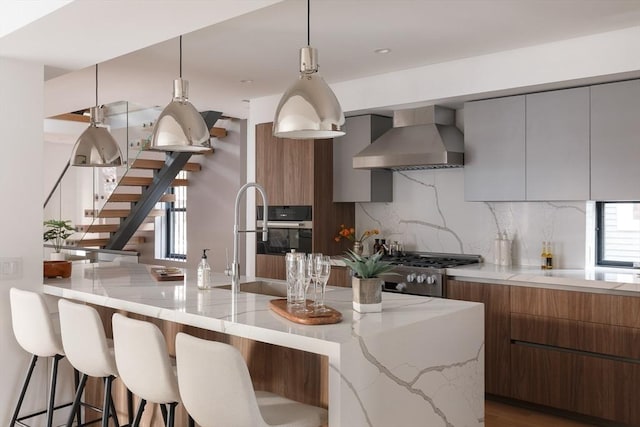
{"x": 27, "y": 379}
{"x": 136, "y": 421}
{"x": 130, "y": 407}
{"x": 191, "y": 422}
{"x": 52, "y": 391}
{"x": 163, "y": 409}
{"x": 75, "y": 409}
{"x": 76, "y": 383}
{"x": 106, "y": 404}
{"x": 172, "y": 414}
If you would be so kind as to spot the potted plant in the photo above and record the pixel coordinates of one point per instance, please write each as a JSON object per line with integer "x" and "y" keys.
{"x": 56, "y": 232}
{"x": 366, "y": 283}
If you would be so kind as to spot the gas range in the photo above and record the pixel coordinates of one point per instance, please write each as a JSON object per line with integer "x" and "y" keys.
{"x": 423, "y": 273}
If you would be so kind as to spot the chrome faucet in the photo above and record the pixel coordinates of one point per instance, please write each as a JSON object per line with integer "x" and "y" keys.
{"x": 235, "y": 266}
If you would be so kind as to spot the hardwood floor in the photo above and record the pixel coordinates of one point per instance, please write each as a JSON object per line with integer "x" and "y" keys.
{"x": 499, "y": 414}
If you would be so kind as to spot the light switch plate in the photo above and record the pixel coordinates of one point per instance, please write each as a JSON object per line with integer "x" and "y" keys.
{"x": 10, "y": 268}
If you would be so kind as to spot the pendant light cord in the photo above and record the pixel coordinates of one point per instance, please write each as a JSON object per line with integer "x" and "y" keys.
{"x": 96, "y": 85}
{"x": 308, "y": 22}
{"x": 180, "y": 56}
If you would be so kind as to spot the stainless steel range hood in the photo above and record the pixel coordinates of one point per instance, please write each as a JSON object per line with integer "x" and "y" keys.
{"x": 421, "y": 138}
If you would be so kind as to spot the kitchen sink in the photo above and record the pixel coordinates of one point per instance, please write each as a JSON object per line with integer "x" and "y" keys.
{"x": 261, "y": 287}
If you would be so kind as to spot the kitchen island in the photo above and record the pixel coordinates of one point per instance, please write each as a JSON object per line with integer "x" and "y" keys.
{"x": 418, "y": 363}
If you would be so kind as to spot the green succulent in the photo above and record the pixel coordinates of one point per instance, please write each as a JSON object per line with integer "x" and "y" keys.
{"x": 57, "y": 232}
{"x": 367, "y": 267}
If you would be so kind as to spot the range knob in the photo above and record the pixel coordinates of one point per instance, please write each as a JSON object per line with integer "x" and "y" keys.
{"x": 431, "y": 279}
{"x": 421, "y": 278}
{"x": 411, "y": 277}
{"x": 401, "y": 287}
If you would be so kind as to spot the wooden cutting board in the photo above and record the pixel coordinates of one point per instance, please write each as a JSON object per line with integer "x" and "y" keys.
{"x": 163, "y": 274}
{"x": 279, "y": 306}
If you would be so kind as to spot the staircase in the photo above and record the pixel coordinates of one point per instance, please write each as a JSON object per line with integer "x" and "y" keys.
{"x": 130, "y": 210}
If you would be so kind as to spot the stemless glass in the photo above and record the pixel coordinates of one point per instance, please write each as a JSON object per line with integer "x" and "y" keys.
{"x": 293, "y": 279}
{"x": 323, "y": 267}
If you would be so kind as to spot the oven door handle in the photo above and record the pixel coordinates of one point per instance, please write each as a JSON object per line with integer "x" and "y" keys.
{"x": 286, "y": 224}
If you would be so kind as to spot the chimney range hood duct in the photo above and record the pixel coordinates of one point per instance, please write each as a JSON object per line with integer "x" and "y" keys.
{"x": 421, "y": 138}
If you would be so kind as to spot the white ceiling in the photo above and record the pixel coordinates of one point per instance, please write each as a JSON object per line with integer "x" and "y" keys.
{"x": 237, "y": 40}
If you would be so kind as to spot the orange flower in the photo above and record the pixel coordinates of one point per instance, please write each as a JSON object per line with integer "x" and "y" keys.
{"x": 350, "y": 233}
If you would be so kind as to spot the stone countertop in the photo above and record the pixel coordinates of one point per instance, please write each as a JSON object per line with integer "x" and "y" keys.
{"x": 616, "y": 281}
{"x": 131, "y": 287}
{"x": 424, "y": 355}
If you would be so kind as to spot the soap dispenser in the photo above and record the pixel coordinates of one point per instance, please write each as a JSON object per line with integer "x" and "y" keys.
{"x": 204, "y": 272}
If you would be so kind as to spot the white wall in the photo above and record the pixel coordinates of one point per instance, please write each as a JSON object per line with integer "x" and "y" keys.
{"x": 211, "y": 196}
{"x": 21, "y": 133}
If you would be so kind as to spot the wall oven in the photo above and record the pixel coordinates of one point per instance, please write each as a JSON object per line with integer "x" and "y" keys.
{"x": 290, "y": 228}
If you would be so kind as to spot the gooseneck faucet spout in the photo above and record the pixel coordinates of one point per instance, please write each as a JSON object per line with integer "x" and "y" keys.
{"x": 235, "y": 266}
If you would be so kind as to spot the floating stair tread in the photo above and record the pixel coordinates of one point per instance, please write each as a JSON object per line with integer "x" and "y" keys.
{"x": 137, "y": 181}
{"x": 127, "y": 197}
{"x": 159, "y": 164}
{"x": 85, "y": 243}
{"x": 110, "y": 228}
{"x": 119, "y": 213}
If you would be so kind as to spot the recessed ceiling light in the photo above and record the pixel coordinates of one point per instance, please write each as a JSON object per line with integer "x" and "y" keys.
{"x": 246, "y": 81}
{"x": 383, "y": 50}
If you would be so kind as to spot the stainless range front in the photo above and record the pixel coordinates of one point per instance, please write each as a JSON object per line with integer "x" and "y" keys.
{"x": 423, "y": 273}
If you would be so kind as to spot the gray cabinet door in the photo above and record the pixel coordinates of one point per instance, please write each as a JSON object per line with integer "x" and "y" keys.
{"x": 615, "y": 141}
{"x": 494, "y": 136}
{"x": 557, "y": 145}
{"x": 360, "y": 185}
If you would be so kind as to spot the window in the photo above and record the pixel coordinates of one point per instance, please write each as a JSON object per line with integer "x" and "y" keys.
{"x": 172, "y": 242}
{"x": 618, "y": 234}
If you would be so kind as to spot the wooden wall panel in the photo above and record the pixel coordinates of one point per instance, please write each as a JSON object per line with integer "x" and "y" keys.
{"x": 497, "y": 330}
{"x": 271, "y": 266}
{"x": 296, "y": 374}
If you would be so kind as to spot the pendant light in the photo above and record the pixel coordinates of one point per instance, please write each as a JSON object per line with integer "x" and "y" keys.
{"x": 180, "y": 127}
{"x": 308, "y": 109}
{"x": 95, "y": 146}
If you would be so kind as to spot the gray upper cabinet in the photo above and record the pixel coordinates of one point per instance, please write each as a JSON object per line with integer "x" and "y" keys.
{"x": 615, "y": 141}
{"x": 357, "y": 185}
{"x": 494, "y": 157}
{"x": 557, "y": 145}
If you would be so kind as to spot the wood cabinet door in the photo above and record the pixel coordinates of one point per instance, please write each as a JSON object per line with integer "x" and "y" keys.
{"x": 269, "y": 164}
{"x": 497, "y": 330}
{"x": 297, "y": 163}
{"x": 271, "y": 267}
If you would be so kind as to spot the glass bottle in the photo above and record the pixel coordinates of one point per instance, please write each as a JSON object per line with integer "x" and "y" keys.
{"x": 204, "y": 272}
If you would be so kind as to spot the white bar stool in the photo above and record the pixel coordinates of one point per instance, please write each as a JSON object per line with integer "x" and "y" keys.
{"x": 34, "y": 332}
{"x": 88, "y": 350}
{"x": 145, "y": 366}
{"x": 216, "y": 389}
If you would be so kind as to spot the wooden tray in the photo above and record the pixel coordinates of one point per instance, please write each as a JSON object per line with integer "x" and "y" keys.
{"x": 280, "y": 307}
{"x": 164, "y": 274}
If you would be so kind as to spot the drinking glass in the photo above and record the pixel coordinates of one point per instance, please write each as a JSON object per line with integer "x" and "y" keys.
{"x": 305, "y": 272}
{"x": 293, "y": 279}
{"x": 314, "y": 259}
{"x": 323, "y": 268}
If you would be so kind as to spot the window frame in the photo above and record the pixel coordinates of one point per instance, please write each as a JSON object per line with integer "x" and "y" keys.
{"x": 170, "y": 209}
{"x": 600, "y": 262}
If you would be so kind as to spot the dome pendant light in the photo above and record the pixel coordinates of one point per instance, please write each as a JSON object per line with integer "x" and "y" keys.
{"x": 180, "y": 127}
{"x": 95, "y": 146}
{"x": 308, "y": 109}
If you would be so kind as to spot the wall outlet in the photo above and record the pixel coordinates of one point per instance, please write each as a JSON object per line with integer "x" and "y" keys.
{"x": 10, "y": 268}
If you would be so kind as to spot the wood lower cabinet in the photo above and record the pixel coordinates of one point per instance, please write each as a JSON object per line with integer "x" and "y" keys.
{"x": 271, "y": 267}
{"x": 340, "y": 276}
{"x": 497, "y": 330}
{"x": 573, "y": 351}
{"x": 576, "y": 351}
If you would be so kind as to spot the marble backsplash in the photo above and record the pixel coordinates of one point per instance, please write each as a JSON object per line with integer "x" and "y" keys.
{"x": 428, "y": 213}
